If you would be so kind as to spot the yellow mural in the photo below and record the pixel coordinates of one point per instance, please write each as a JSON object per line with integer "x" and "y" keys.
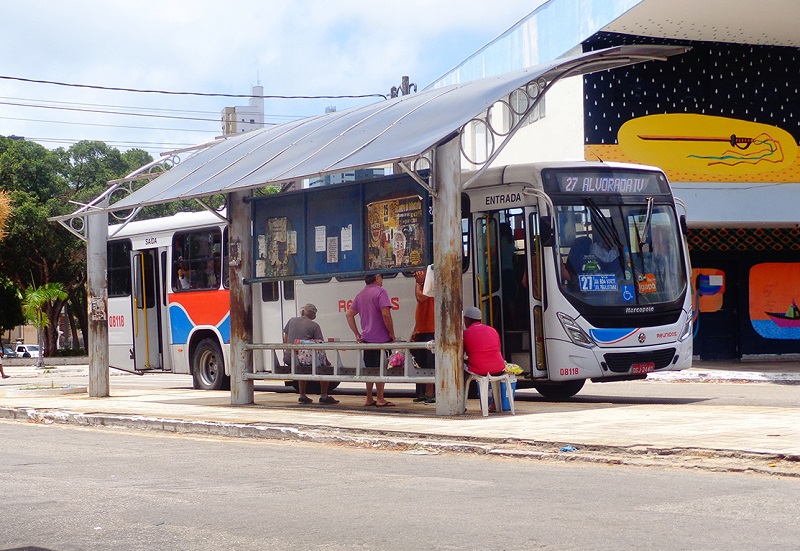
{"x": 705, "y": 148}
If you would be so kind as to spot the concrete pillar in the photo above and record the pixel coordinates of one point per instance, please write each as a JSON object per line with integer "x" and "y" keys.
{"x": 447, "y": 279}
{"x": 241, "y": 260}
{"x": 97, "y": 279}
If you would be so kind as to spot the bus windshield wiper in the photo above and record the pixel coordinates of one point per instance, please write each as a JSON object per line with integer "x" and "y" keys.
{"x": 604, "y": 226}
{"x": 647, "y": 220}
{"x": 606, "y": 229}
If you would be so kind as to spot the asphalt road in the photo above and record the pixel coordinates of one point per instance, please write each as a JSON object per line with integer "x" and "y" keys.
{"x": 68, "y": 488}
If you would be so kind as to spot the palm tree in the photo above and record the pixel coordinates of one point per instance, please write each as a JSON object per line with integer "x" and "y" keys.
{"x": 33, "y": 305}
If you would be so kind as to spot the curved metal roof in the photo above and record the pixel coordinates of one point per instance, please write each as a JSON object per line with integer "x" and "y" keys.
{"x": 395, "y": 130}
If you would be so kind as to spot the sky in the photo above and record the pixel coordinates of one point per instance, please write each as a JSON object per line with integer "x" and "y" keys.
{"x": 290, "y": 47}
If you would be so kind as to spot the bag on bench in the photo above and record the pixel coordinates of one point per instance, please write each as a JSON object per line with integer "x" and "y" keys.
{"x": 305, "y": 356}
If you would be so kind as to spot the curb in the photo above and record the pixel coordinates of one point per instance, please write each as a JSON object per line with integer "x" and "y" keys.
{"x": 46, "y": 391}
{"x": 719, "y": 375}
{"x": 714, "y": 460}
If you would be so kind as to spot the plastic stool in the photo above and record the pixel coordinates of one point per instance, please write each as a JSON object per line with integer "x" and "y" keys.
{"x": 483, "y": 386}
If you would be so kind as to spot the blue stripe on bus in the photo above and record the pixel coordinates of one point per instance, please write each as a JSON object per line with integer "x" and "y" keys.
{"x": 180, "y": 324}
{"x": 224, "y": 328}
{"x": 610, "y": 336}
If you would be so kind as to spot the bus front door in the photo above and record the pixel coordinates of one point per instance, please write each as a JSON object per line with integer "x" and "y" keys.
{"x": 487, "y": 269}
{"x": 501, "y": 279}
{"x": 148, "y": 310}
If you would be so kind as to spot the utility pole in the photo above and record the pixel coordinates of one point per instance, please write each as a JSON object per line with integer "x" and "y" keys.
{"x": 447, "y": 275}
{"x": 96, "y": 242}
{"x": 241, "y": 295}
{"x": 404, "y": 88}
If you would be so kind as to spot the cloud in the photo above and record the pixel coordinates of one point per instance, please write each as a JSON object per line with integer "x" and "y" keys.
{"x": 300, "y": 47}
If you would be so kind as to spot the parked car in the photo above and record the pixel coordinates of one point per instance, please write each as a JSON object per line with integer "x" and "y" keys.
{"x": 9, "y": 352}
{"x": 27, "y": 350}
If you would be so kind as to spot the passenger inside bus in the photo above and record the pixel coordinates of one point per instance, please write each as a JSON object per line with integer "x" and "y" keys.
{"x": 606, "y": 253}
{"x": 212, "y": 281}
{"x": 580, "y": 259}
{"x": 660, "y": 262}
{"x": 183, "y": 278}
{"x": 508, "y": 276}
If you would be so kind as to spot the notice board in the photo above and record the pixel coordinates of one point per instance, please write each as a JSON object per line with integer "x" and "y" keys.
{"x": 342, "y": 230}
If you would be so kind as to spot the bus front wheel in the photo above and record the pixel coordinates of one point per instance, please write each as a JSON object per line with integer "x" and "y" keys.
{"x": 208, "y": 366}
{"x": 560, "y": 391}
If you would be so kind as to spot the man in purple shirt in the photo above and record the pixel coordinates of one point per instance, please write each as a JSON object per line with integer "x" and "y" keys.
{"x": 372, "y": 304}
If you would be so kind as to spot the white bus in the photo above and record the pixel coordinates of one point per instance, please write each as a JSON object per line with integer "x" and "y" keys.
{"x": 582, "y": 267}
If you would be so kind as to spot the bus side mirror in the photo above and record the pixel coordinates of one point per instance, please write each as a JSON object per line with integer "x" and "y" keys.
{"x": 684, "y": 225}
{"x": 546, "y": 230}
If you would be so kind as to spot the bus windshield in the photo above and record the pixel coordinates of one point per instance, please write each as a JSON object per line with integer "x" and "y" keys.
{"x": 617, "y": 254}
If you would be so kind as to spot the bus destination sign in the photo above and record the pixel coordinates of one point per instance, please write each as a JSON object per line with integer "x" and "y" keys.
{"x": 605, "y": 182}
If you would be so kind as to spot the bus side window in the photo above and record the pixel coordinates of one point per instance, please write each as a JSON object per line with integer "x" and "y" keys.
{"x": 119, "y": 268}
{"x": 195, "y": 259}
{"x": 226, "y": 256}
{"x": 288, "y": 289}
{"x": 180, "y": 269}
{"x": 269, "y": 291}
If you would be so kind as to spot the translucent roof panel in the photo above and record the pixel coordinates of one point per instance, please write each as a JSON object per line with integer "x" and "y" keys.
{"x": 394, "y": 130}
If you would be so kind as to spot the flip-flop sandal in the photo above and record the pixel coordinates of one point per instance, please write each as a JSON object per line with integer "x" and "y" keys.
{"x": 369, "y": 405}
{"x": 384, "y": 405}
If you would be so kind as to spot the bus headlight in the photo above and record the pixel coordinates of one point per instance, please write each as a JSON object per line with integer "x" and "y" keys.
{"x": 687, "y": 330}
{"x": 576, "y": 334}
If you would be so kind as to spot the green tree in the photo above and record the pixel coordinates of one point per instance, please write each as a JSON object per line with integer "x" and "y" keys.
{"x": 10, "y": 302}
{"x": 29, "y": 167}
{"x": 88, "y": 164}
{"x": 87, "y": 167}
{"x": 41, "y": 184}
{"x": 39, "y": 308}
{"x": 36, "y": 252}
{"x": 33, "y": 251}
{"x": 135, "y": 158}
{"x": 10, "y": 307}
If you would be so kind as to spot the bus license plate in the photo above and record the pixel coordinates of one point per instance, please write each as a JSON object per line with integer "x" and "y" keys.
{"x": 638, "y": 369}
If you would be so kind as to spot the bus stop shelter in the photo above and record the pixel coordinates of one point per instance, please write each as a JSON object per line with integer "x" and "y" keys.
{"x": 412, "y": 132}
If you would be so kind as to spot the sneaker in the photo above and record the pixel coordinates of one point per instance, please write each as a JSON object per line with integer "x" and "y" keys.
{"x": 330, "y": 400}
{"x": 431, "y": 400}
{"x": 421, "y": 398}
{"x": 305, "y": 400}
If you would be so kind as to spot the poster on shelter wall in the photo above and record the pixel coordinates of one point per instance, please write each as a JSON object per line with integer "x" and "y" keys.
{"x": 276, "y": 248}
{"x": 397, "y": 233}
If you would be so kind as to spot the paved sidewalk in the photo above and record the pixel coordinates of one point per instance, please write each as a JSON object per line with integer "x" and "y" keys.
{"x": 539, "y": 429}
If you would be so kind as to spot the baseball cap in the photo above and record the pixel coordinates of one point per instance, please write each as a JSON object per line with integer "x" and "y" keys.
{"x": 310, "y": 309}
{"x": 473, "y": 313}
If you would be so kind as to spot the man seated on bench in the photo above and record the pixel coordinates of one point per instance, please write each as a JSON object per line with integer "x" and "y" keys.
{"x": 304, "y": 328}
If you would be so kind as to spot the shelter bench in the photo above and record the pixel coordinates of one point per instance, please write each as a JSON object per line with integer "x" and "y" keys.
{"x": 347, "y": 363}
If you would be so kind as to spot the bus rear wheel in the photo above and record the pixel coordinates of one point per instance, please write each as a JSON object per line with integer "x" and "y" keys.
{"x": 208, "y": 367}
{"x": 560, "y": 391}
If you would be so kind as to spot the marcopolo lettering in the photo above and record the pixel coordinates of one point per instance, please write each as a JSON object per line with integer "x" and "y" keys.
{"x": 639, "y": 309}
{"x": 614, "y": 185}
{"x": 503, "y": 198}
